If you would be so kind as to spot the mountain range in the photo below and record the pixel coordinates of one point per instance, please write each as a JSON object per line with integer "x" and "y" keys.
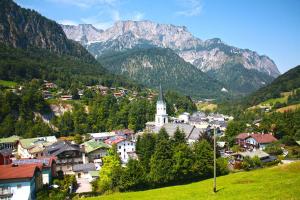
{"x": 212, "y": 56}
{"x": 32, "y": 46}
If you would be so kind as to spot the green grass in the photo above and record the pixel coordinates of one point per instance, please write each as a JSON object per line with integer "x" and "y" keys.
{"x": 8, "y": 83}
{"x": 282, "y": 182}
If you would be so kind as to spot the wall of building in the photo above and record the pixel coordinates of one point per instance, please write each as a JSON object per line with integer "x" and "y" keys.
{"x": 123, "y": 148}
{"x": 20, "y": 190}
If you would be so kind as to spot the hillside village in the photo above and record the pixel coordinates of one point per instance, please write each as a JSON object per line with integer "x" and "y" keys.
{"x": 39, "y": 161}
{"x": 100, "y": 102}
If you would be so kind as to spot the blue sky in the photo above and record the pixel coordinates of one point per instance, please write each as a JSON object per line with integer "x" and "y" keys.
{"x": 270, "y": 27}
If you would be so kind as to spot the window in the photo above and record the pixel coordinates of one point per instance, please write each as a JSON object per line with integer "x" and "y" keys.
{"x": 120, "y": 147}
{"x": 19, "y": 186}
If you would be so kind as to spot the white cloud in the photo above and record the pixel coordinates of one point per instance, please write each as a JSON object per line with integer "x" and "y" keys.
{"x": 67, "y": 22}
{"x": 190, "y": 8}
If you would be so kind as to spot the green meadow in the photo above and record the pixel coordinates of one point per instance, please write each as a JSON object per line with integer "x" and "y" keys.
{"x": 281, "y": 182}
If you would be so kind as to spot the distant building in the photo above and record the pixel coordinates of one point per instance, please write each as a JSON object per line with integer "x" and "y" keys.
{"x": 124, "y": 147}
{"x": 184, "y": 117}
{"x": 263, "y": 156}
{"x": 94, "y": 149}
{"x": 9, "y": 143}
{"x": 34, "y": 147}
{"x": 67, "y": 154}
{"x": 102, "y": 136}
{"x": 192, "y": 133}
{"x": 20, "y": 181}
{"x": 66, "y": 97}
{"x": 255, "y": 140}
{"x": 48, "y": 167}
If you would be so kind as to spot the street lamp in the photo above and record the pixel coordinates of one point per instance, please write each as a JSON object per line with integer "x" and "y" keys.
{"x": 215, "y": 183}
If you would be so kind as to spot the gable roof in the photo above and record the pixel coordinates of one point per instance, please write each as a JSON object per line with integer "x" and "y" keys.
{"x": 31, "y": 142}
{"x": 252, "y": 154}
{"x": 11, "y": 139}
{"x": 190, "y": 131}
{"x": 46, "y": 162}
{"x": 242, "y": 136}
{"x": 59, "y": 147}
{"x": 115, "y": 140}
{"x": 18, "y": 172}
{"x": 84, "y": 167}
{"x": 92, "y": 145}
{"x": 263, "y": 138}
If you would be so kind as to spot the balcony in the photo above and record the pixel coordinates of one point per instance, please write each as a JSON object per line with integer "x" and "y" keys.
{"x": 5, "y": 192}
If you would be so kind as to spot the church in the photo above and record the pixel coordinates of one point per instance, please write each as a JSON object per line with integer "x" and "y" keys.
{"x": 161, "y": 116}
{"x": 161, "y": 121}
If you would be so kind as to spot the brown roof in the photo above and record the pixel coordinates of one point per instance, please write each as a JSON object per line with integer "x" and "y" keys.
{"x": 263, "y": 138}
{"x": 18, "y": 172}
{"x": 243, "y": 135}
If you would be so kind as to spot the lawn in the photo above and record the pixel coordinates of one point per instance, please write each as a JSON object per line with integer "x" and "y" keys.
{"x": 282, "y": 182}
{"x": 8, "y": 83}
{"x": 206, "y": 106}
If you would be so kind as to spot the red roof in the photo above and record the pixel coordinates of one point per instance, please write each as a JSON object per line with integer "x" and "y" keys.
{"x": 243, "y": 135}
{"x": 114, "y": 140}
{"x": 18, "y": 171}
{"x": 263, "y": 138}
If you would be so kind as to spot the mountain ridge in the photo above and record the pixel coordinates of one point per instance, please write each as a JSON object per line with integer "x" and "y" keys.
{"x": 206, "y": 55}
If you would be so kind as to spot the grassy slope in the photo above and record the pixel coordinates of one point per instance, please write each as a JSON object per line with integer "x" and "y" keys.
{"x": 281, "y": 182}
{"x": 8, "y": 83}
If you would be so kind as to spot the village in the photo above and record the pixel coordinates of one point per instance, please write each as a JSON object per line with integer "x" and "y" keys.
{"x": 27, "y": 165}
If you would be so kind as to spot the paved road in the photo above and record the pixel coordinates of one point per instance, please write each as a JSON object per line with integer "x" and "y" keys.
{"x": 83, "y": 185}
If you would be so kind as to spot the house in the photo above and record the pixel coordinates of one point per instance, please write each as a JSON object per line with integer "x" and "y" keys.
{"x": 191, "y": 132}
{"x": 94, "y": 149}
{"x": 66, "y": 97}
{"x": 34, "y": 147}
{"x": 48, "y": 167}
{"x": 123, "y": 145}
{"x": 184, "y": 117}
{"x": 67, "y": 155}
{"x": 20, "y": 181}
{"x": 49, "y": 85}
{"x": 102, "y": 136}
{"x": 263, "y": 156}
{"x": 255, "y": 140}
{"x": 5, "y": 156}
{"x": 9, "y": 143}
{"x": 82, "y": 170}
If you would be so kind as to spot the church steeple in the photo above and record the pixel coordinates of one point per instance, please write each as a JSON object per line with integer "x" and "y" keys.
{"x": 160, "y": 97}
{"x": 161, "y": 116}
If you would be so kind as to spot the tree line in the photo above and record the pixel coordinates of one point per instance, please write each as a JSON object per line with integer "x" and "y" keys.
{"x": 162, "y": 161}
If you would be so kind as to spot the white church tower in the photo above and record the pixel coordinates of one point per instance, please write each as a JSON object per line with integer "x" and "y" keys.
{"x": 161, "y": 116}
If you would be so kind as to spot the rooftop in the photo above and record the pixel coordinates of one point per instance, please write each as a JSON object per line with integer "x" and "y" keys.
{"x": 115, "y": 140}
{"x": 30, "y": 142}
{"x": 10, "y": 139}
{"x": 93, "y": 145}
{"x": 251, "y": 154}
{"x": 84, "y": 167}
{"x": 18, "y": 172}
{"x": 47, "y": 162}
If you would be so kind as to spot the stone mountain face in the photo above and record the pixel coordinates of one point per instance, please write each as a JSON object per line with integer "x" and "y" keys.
{"x": 25, "y": 28}
{"x": 206, "y": 55}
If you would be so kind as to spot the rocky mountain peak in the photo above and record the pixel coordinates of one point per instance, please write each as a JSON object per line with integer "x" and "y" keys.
{"x": 206, "y": 55}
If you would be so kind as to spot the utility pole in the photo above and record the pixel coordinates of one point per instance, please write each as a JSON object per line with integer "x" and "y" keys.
{"x": 215, "y": 183}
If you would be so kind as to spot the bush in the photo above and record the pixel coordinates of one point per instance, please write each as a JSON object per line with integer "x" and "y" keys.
{"x": 251, "y": 163}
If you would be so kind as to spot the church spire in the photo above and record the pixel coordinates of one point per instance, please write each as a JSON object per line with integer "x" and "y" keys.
{"x": 160, "y": 98}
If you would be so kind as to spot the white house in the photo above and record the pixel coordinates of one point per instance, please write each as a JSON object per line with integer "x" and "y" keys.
{"x": 124, "y": 147}
{"x": 184, "y": 117}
